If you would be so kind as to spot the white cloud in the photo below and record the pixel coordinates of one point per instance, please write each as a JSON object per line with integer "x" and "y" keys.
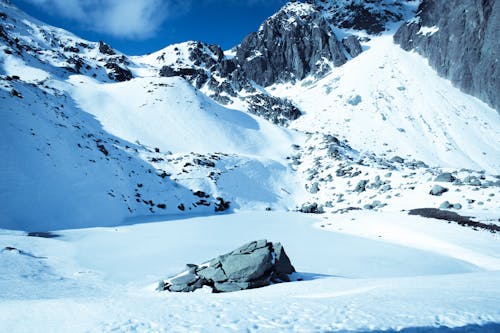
{"x": 133, "y": 19}
{"x": 122, "y": 18}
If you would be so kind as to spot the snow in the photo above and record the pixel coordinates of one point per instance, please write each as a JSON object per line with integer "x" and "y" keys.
{"x": 400, "y": 111}
{"x": 105, "y": 277}
{"x": 428, "y": 31}
{"x": 146, "y": 109}
{"x": 15, "y": 66}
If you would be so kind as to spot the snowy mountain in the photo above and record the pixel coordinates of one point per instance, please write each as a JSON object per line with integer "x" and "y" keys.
{"x": 323, "y": 130}
{"x": 144, "y": 134}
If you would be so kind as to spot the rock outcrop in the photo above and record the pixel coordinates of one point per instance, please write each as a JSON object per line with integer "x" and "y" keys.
{"x": 460, "y": 39}
{"x": 205, "y": 66}
{"x": 255, "y": 264}
{"x": 118, "y": 73}
{"x": 371, "y": 16}
{"x": 293, "y": 43}
{"x": 352, "y": 45}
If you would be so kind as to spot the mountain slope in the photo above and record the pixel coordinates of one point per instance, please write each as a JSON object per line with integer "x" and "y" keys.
{"x": 390, "y": 102}
{"x": 92, "y": 137}
{"x": 82, "y": 150}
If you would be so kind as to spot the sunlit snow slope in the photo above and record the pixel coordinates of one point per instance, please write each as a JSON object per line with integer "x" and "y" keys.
{"x": 391, "y": 102}
{"x": 79, "y": 149}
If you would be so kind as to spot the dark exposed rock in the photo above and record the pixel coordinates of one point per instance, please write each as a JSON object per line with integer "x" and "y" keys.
{"x": 71, "y": 49}
{"x": 118, "y": 73}
{"x": 228, "y": 66}
{"x": 314, "y": 188}
{"x": 168, "y": 71}
{"x": 361, "y": 186}
{"x": 103, "y": 149}
{"x": 43, "y": 234}
{"x": 3, "y": 34}
{"x": 204, "y": 162}
{"x": 472, "y": 180}
{"x": 201, "y": 194}
{"x": 352, "y": 46}
{"x": 16, "y": 93}
{"x": 445, "y": 205}
{"x": 290, "y": 45}
{"x": 276, "y": 110}
{"x": 354, "y": 100}
{"x": 106, "y": 49}
{"x": 371, "y": 16}
{"x": 224, "y": 100}
{"x": 255, "y": 264}
{"x": 415, "y": 164}
{"x": 453, "y": 217}
{"x": 221, "y": 205}
{"x": 463, "y": 44}
{"x": 311, "y": 208}
{"x": 76, "y": 64}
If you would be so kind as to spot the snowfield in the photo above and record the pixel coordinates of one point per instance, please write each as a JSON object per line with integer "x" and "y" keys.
{"x": 389, "y": 101}
{"x": 104, "y": 279}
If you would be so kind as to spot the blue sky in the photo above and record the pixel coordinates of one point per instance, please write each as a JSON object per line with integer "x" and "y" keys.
{"x": 143, "y": 26}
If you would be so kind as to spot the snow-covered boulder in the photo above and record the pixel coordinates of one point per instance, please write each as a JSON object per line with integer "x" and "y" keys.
{"x": 255, "y": 264}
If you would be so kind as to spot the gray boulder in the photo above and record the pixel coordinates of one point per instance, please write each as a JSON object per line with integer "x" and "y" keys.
{"x": 314, "y": 188}
{"x": 255, "y": 264}
{"x": 311, "y": 208}
{"x": 397, "y": 159}
{"x": 446, "y": 205}
{"x": 361, "y": 186}
{"x": 438, "y": 190}
{"x": 445, "y": 177}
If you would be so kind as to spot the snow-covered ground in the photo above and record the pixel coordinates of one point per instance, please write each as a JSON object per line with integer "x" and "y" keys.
{"x": 409, "y": 273}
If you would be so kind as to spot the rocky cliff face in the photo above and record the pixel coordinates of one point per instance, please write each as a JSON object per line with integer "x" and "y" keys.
{"x": 372, "y": 16}
{"x": 300, "y": 39}
{"x": 460, "y": 39}
{"x": 295, "y": 42}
